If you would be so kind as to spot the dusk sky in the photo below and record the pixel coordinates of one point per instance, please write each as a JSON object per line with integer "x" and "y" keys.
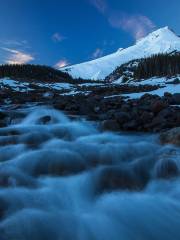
{"x": 60, "y": 32}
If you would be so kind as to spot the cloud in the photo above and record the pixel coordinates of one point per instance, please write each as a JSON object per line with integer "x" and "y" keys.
{"x": 97, "y": 53}
{"x": 100, "y": 5}
{"x": 17, "y": 57}
{"x": 137, "y": 25}
{"x": 57, "y": 37}
{"x": 14, "y": 43}
{"x": 62, "y": 63}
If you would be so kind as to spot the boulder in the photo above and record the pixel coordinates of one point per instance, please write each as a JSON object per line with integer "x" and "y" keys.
{"x": 171, "y": 137}
{"x": 166, "y": 169}
{"x": 2, "y": 115}
{"x": 109, "y": 179}
{"x": 45, "y": 120}
{"x": 122, "y": 117}
{"x": 110, "y": 125}
{"x": 158, "y": 106}
{"x": 3, "y": 120}
{"x": 131, "y": 125}
{"x": 146, "y": 117}
{"x": 167, "y": 95}
{"x": 176, "y": 98}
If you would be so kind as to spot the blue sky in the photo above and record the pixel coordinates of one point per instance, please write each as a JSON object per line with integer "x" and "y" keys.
{"x": 59, "y": 32}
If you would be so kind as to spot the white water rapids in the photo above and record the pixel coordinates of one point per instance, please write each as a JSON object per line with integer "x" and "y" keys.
{"x": 65, "y": 180}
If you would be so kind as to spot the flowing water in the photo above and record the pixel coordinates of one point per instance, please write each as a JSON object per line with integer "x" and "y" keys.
{"x": 66, "y": 180}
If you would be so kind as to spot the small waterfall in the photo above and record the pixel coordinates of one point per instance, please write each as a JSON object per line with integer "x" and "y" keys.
{"x": 64, "y": 179}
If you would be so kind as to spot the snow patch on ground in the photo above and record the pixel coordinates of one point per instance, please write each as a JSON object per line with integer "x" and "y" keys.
{"x": 90, "y": 84}
{"x": 14, "y": 85}
{"x": 164, "y": 84}
{"x": 170, "y": 88}
{"x": 57, "y": 86}
{"x": 21, "y": 86}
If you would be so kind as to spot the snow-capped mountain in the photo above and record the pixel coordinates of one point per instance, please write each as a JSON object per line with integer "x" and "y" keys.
{"x": 161, "y": 41}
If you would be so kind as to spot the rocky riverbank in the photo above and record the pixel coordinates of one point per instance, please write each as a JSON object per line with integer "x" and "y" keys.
{"x": 149, "y": 113}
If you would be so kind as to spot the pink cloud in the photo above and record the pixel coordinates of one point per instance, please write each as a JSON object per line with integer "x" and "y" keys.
{"x": 17, "y": 57}
{"x": 138, "y": 25}
{"x": 62, "y": 63}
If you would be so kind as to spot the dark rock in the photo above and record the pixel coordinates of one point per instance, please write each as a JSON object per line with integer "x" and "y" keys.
{"x": 115, "y": 178}
{"x": 110, "y": 125}
{"x": 131, "y": 126}
{"x": 102, "y": 117}
{"x": 3, "y": 208}
{"x": 167, "y": 169}
{"x": 2, "y": 115}
{"x": 122, "y": 117}
{"x": 125, "y": 108}
{"x": 45, "y": 120}
{"x": 165, "y": 113}
{"x": 171, "y": 137}
{"x": 146, "y": 117}
{"x": 97, "y": 109}
{"x": 167, "y": 94}
{"x": 111, "y": 114}
{"x": 176, "y": 98}
{"x": 158, "y": 106}
{"x": 175, "y": 81}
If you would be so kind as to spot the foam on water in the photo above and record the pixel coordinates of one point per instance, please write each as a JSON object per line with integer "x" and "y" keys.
{"x": 66, "y": 180}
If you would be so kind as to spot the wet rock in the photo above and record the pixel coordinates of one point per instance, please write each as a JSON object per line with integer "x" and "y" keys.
{"x": 110, "y": 125}
{"x": 146, "y": 117}
{"x": 171, "y": 137}
{"x": 115, "y": 178}
{"x": 158, "y": 106}
{"x": 165, "y": 113}
{"x": 2, "y": 115}
{"x": 167, "y": 95}
{"x": 125, "y": 108}
{"x": 3, "y": 208}
{"x": 176, "y": 98}
{"x": 8, "y": 140}
{"x": 122, "y": 117}
{"x": 45, "y": 120}
{"x": 147, "y": 98}
{"x": 48, "y": 95}
{"x": 167, "y": 169}
{"x": 111, "y": 114}
{"x": 34, "y": 139}
{"x": 59, "y": 163}
{"x": 102, "y": 117}
{"x": 131, "y": 126}
{"x": 15, "y": 179}
{"x": 97, "y": 109}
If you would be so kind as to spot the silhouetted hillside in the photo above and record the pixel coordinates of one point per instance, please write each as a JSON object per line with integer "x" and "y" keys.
{"x": 34, "y": 72}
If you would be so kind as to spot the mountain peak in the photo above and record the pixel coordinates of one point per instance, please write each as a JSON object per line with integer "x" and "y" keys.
{"x": 162, "y": 40}
{"x": 163, "y": 30}
{"x": 164, "y": 33}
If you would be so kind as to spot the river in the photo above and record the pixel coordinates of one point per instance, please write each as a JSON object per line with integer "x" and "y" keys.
{"x": 63, "y": 179}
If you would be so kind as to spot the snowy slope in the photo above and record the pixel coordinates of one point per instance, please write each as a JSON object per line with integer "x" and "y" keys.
{"x": 160, "y": 41}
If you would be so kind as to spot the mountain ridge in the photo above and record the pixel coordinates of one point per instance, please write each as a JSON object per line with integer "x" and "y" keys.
{"x": 163, "y": 40}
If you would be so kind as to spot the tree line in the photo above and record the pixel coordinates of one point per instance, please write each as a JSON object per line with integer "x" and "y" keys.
{"x": 34, "y": 72}
{"x": 160, "y": 65}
